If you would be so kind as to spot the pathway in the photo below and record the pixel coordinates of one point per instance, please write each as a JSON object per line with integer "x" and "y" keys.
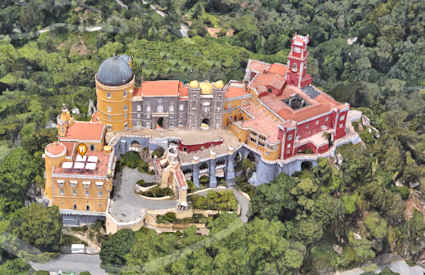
{"x": 126, "y": 205}
{"x": 72, "y": 263}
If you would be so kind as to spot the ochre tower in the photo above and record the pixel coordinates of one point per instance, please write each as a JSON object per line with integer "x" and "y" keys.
{"x": 54, "y": 155}
{"x": 114, "y": 89}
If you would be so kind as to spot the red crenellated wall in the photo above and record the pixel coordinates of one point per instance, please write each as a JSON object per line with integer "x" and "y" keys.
{"x": 198, "y": 147}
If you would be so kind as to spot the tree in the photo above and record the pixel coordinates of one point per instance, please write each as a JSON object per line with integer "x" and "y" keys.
{"x": 274, "y": 200}
{"x": 38, "y": 226}
{"x": 114, "y": 249}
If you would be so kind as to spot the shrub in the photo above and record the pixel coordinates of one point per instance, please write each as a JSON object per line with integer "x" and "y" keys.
{"x": 143, "y": 166}
{"x": 157, "y": 192}
{"x": 85, "y": 273}
{"x": 42, "y": 272}
{"x": 404, "y": 192}
{"x": 158, "y": 152}
{"x": 130, "y": 159}
{"x": 169, "y": 217}
{"x": 142, "y": 183}
{"x": 223, "y": 200}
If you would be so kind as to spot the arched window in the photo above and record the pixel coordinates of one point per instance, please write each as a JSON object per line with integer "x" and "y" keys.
{"x": 125, "y": 108}
{"x": 108, "y": 109}
{"x": 124, "y": 93}
{"x": 88, "y": 207}
{"x": 160, "y": 108}
{"x": 75, "y": 207}
{"x": 108, "y": 95}
{"x": 294, "y": 67}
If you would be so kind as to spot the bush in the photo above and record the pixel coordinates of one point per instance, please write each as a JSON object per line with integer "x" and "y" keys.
{"x": 158, "y": 152}
{"x": 169, "y": 217}
{"x": 404, "y": 191}
{"x": 143, "y": 167}
{"x": 85, "y": 273}
{"x": 244, "y": 186}
{"x": 42, "y": 272}
{"x": 223, "y": 201}
{"x": 142, "y": 183}
{"x": 157, "y": 192}
{"x": 130, "y": 159}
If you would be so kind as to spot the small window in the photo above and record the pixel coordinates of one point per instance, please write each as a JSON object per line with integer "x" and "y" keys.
{"x": 124, "y": 93}
{"x": 148, "y": 108}
{"x": 87, "y": 193}
{"x": 108, "y": 109}
{"x": 108, "y": 95}
{"x": 160, "y": 108}
{"x": 109, "y": 127}
{"x": 297, "y": 49}
{"x": 61, "y": 192}
{"x": 317, "y": 122}
{"x": 294, "y": 67}
{"x": 109, "y": 117}
{"x": 139, "y": 115}
{"x": 75, "y": 207}
{"x": 125, "y": 115}
{"x": 289, "y": 146}
{"x": 139, "y": 108}
{"x": 125, "y": 108}
{"x": 261, "y": 144}
{"x": 74, "y": 193}
{"x": 342, "y": 118}
{"x": 253, "y": 140}
{"x": 341, "y": 125}
{"x": 91, "y": 147}
{"x": 289, "y": 137}
{"x": 171, "y": 108}
{"x": 181, "y": 107}
{"x": 126, "y": 125}
{"x": 307, "y": 126}
{"x": 100, "y": 193}
{"x": 88, "y": 207}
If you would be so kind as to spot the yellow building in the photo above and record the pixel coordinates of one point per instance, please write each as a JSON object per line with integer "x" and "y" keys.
{"x": 114, "y": 90}
{"x": 73, "y": 181}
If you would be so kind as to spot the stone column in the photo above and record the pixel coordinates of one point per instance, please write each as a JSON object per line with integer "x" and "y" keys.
{"x": 230, "y": 168}
{"x": 195, "y": 171}
{"x": 211, "y": 168}
{"x": 124, "y": 146}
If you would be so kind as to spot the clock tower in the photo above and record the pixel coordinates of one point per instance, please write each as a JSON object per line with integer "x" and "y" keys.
{"x": 297, "y": 62}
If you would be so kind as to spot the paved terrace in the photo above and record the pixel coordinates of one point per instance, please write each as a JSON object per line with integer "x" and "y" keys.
{"x": 188, "y": 137}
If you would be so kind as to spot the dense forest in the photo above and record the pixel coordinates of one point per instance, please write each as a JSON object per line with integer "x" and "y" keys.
{"x": 368, "y": 53}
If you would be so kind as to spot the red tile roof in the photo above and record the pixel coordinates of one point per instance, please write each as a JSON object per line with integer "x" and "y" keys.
{"x": 183, "y": 90}
{"x": 278, "y": 68}
{"x": 235, "y": 91}
{"x": 267, "y": 79}
{"x": 55, "y": 148}
{"x": 160, "y": 88}
{"x": 84, "y": 131}
{"x": 137, "y": 91}
{"x": 262, "y": 122}
{"x": 258, "y": 66}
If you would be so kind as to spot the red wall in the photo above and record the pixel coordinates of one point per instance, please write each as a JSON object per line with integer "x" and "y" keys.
{"x": 197, "y": 147}
{"x": 310, "y": 128}
{"x": 289, "y": 144}
{"x": 305, "y": 147}
{"x": 340, "y": 126}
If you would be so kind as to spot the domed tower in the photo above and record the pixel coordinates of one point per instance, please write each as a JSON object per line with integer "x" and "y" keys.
{"x": 114, "y": 89}
{"x": 54, "y": 155}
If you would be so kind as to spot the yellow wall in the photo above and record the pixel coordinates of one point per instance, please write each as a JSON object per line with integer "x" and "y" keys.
{"x": 117, "y": 101}
{"x": 50, "y": 163}
{"x": 67, "y": 200}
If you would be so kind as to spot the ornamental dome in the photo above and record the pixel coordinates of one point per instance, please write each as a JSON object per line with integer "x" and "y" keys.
{"x": 115, "y": 71}
{"x": 194, "y": 84}
{"x": 206, "y": 88}
{"x": 219, "y": 84}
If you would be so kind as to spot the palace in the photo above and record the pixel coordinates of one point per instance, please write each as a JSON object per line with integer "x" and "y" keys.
{"x": 275, "y": 115}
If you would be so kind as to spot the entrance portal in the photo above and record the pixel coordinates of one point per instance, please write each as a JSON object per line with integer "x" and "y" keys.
{"x": 205, "y": 124}
{"x": 160, "y": 122}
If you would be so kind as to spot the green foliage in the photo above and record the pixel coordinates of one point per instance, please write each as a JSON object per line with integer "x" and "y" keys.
{"x": 376, "y": 226}
{"x": 85, "y": 273}
{"x": 158, "y": 152}
{"x": 131, "y": 159}
{"x": 157, "y": 192}
{"x": 42, "y": 272}
{"x": 169, "y": 217}
{"x": 215, "y": 200}
{"x": 15, "y": 267}
{"x": 38, "y": 226}
{"x": 115, "y": 247}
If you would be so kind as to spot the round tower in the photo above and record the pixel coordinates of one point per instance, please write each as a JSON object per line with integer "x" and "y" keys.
{"x": 114, "y": 89}
{"x": 54, "y": 155}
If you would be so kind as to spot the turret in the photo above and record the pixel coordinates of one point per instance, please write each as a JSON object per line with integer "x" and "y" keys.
{"x": 297, "y": 62}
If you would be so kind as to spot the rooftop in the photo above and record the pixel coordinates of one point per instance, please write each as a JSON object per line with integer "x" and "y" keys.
{"x": 55, "y": 148}
{"x": 235, "y": 89}
{"x": 84, "y": 131}
{"x": 101, "y": 170}
{"x": 160, "y": 88}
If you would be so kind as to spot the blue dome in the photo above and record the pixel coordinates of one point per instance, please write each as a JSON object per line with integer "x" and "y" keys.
{"x": 115, "y": 71}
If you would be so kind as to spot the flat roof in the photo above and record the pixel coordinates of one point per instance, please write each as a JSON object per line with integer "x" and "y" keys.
{"x": 84, "y": 131}
{"x": 160, "y": 88}
{"x": 101, "y": 169}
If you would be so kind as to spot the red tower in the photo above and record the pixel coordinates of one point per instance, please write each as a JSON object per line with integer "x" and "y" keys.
{"x": 297, "y": 62}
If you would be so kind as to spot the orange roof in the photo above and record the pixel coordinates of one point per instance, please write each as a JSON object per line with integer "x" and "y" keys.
{"x": 267, "y": 79}
{"x": 69, "y": 147}
{"x": 261, "y": 122}
{"x": 183, "y": 90}
{"x": 258, "y": 66}
{"x": 160, "y": 88}
{"x": 55, "y": 148}
{"x": 84, "y": 131}
{"x": 235, "y": 91}
{"x": 278, "y": 68}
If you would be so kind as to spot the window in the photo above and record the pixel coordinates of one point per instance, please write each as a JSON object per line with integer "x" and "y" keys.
{"x": 91, "y": 147}
{"x": 74, "y": 193}
{"x": 87, "y": 193}
{"x": 307, "y": 126}
{"x": 109, "y": 127}
{"x": 125, "y": 116}
{"x": 75, "y": 207}
{"x": 297, "y": 49}
{"x": 261, "y": 144}
{"x": 109, "y": 117}
{"x": 327, "y": 118}
{"x": 342, "y": 118}
{"x": 139, "y": 108}
{"x": 294, "y": 67}
{"x": 181, "y": 107}
{"x": 108, "y": 109}
{"x": 124, "y": 93}
{"x": 108, "y": 95}
{"x": 125, "y": 108}
{"x": 289, "y": 137}
{"x": 148, "y": 108}
{"x": 73, "y": 183}
{"x": 61, "y": 192}
{"x": 100, "y": 193}
{"x": 126, "y": 125}
{"x": 160, "y": 108}
{"x": 88, "y": 207}
{"x": 289, "y": 146}
{"x": 317, "y": 122}
{"x": 139, "y": 115}
{"x": 171, "y": 108}
{"x": 253, "y": 140}
{"x": 341, "y": 125}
